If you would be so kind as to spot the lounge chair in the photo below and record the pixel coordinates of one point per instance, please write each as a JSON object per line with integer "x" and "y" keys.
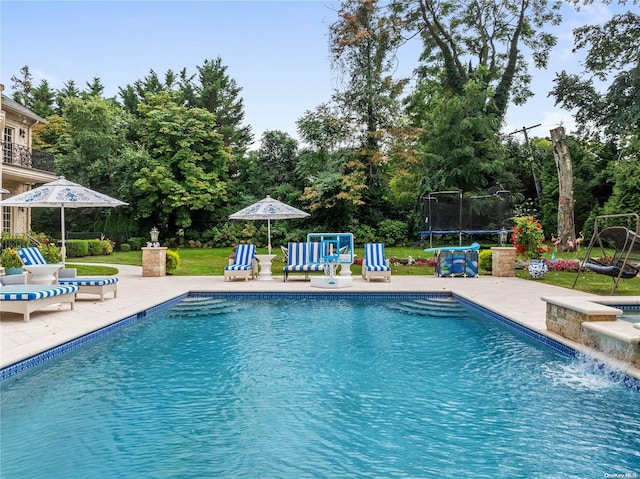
{"x": 375, "y": 265}
{"x": 301, "y": 258}
{"x": 20, "y": 298}
{"x": 244, "y": 263}
{"x": 40, "y": 272}
{"x": 67, "y": 277}
{"x": 89, "y": 285}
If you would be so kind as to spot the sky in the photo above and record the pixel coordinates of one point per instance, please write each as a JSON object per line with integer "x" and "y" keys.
{"x": 276, "y": 51}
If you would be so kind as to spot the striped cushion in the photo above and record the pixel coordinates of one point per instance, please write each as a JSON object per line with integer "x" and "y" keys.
{"x": 31, "y": 292}
{"x": 238, "y": 267}
{"x": 305, "y": 267}
{"x": 31, "y": 256}
{"x": 244, "y": 257}
{"x": 303, "y": 258}
{"x": 88, "y": 281}
{"x": 374, "y": 259}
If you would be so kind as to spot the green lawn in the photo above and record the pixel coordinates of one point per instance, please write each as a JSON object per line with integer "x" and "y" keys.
{"x": 203, "y": 262}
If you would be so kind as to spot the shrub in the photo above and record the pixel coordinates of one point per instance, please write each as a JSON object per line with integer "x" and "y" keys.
{"x": 94, "y": 247}
{"x": 173, "y": 261}
{"x": 365, "y": 234}
{"x": 107, "y": 247}
{"x": 51, "y": 253}
{"x": 485, "y": 260}
{"x": 77, "y": 248}
{"x": 136, "y": 243}
{"x": 125, "y": 247}
{"x": 393, "y": 232}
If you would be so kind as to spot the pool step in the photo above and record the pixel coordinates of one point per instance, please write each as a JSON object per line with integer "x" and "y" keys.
{"x": 191, "y": 307}
{"x": 436, "y": 308}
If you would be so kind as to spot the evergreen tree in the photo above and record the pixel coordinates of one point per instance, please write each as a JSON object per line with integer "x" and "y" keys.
{"x": 44, "y": 100}
{"x": 23, "y": 87}
{"x": 69, "y": 90}
{"x": 218, "y": 93}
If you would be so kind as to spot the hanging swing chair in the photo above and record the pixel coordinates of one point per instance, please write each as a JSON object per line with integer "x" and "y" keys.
{"x": 614, "y": 251}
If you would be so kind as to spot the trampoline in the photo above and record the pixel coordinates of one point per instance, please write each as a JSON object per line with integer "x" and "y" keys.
{"x": 452, "y": 213}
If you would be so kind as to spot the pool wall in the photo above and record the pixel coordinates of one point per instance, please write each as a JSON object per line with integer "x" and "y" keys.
{"x": 595, "y": 324}
{"x": 37, "y": 359}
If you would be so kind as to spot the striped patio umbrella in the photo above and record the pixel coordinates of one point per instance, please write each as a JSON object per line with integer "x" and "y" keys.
{"x": 61, "y": 194}
{"x": 268, "y": 209}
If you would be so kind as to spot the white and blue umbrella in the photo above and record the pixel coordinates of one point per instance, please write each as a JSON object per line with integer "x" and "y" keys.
{"x": 4, "y": 192}
{"x": 268, "y": 209}
{"x": 61, "y": 194}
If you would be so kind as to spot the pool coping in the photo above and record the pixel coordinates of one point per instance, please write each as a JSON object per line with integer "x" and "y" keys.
{"x": 560, "y": 345}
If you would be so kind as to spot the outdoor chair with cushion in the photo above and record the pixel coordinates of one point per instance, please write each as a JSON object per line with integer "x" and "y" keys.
{"x": 375, "y": 265}
{"x": 18, "y": 297}
{"x": 244, "y": 264}
{"x": 89, "y": 285}
{"x": 40, "y": 271}
{"x": 302, "y": 258}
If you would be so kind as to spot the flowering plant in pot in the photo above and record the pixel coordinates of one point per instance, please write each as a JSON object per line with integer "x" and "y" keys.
{"x": 527, "y": 237}
{"x": 9, "y": 259}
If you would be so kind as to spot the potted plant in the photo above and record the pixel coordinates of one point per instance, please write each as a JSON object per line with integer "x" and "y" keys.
{"x": 528, "y": 239}
{"x": 10, "y": 261}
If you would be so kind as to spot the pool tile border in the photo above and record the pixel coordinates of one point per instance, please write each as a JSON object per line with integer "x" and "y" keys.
{"x": 541, "y": 338}
{"x": 37, "y": 359}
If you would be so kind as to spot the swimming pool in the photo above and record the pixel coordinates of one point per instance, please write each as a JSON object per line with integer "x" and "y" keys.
{"x": 301, "y": 387}
{"x": 630, "y": 313}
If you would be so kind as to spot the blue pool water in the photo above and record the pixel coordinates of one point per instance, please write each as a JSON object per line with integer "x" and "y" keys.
{"x": 315, "y": 388}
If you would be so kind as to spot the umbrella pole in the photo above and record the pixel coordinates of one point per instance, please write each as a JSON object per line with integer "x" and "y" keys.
{"x": 269, "y": 233}
{"x": 63, "y": 249}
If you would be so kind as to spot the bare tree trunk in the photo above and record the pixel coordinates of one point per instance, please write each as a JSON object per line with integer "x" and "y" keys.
{"x": 566, "y": 226}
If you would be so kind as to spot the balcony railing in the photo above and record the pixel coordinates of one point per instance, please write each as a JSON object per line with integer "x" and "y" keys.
{"x": 26, "y": 157}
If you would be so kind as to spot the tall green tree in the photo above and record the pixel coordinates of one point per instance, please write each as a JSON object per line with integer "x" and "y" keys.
{"x": 88, "y": 140}
{"x": 91, "y": 144}
{"x": 94, "y": 88}
{"x": 364, "y": 44}
{"x": 612, "y": 59}
{"x": 68, "y": 90}
{"x": 497, "y": 39}
{"x": 22, "y": 87}
{"x": 277, "y": 158}
{"x": 333, "y": 174}
{"x": 605, "y": 96}
{"x": 43, "y": 99}
{"x": 218, "y": 93}
{"x": 187, "y": 175}
{"x": 460, "y": 146}
{"x": 364, "y": 47}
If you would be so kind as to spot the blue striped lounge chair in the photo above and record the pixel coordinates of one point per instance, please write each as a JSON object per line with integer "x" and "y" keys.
{"x": 36, "y": 265}
{"x": 20, "y": 298}
{"x": 375, "y": 265}
{"x": 89, "y": 285}
{"x": 67, "y": 277}
{"x": 244, "y": 263}
{"x": 303, "y": 258}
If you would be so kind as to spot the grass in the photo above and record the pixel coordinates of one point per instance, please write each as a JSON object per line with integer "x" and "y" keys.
{"x": 205, "y": 262}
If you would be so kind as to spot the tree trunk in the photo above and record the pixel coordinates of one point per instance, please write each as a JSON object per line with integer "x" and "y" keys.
{"x": 566, "y": 227}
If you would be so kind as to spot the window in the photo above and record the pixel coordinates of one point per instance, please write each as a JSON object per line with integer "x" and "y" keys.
{"x": 7, "y": 147}
{"x": 6, "y": 219}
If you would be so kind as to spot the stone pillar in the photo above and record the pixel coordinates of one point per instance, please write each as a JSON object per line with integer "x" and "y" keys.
{"x": 503, "y": 261}
{"x": 154, "y": 262}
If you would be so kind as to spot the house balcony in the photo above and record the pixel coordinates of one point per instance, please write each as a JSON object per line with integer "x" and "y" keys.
{"x": 18, "y": 155}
